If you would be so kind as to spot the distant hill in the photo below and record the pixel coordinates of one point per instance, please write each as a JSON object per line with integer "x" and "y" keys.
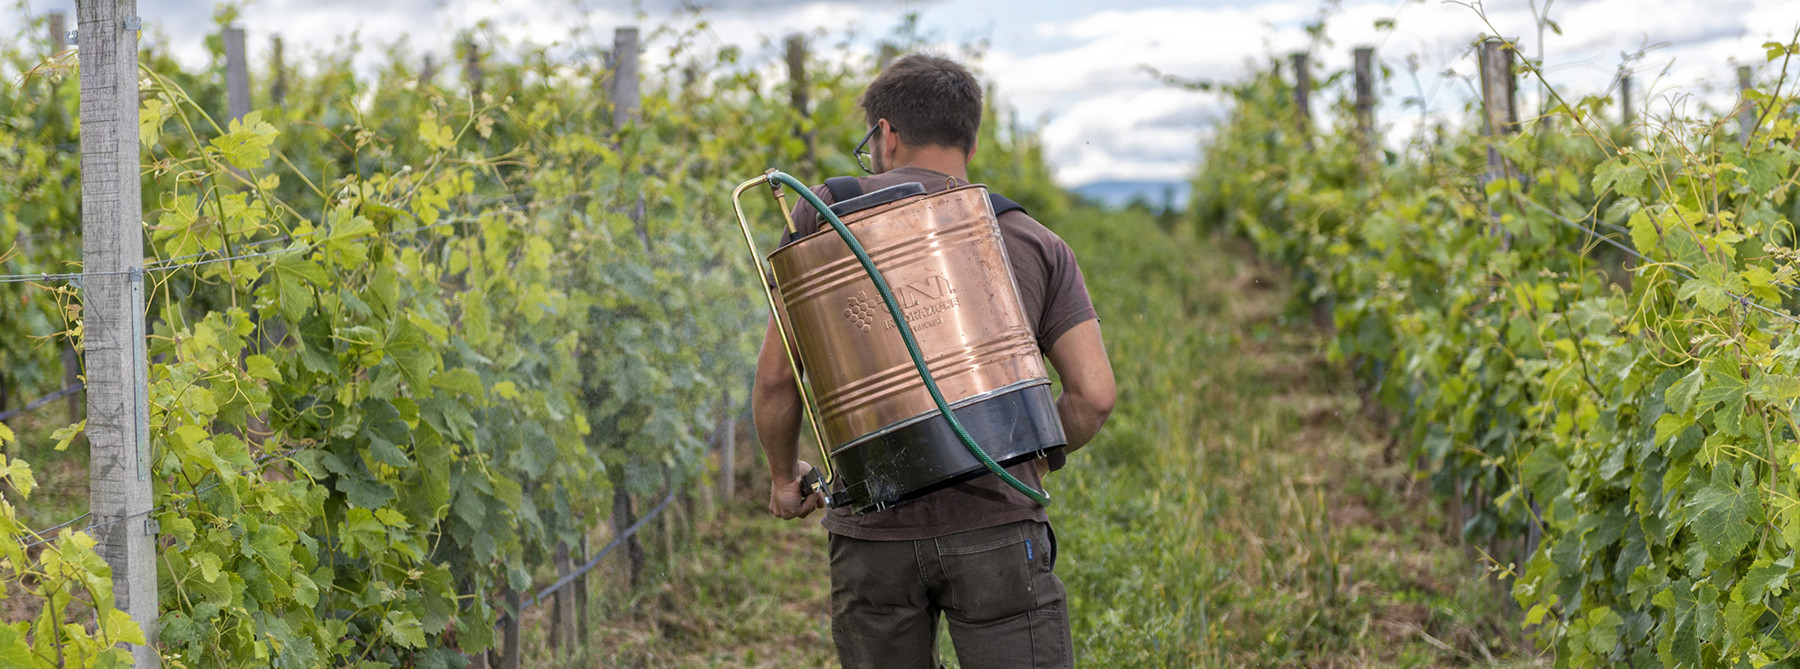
{"x": 1118, "y": 194}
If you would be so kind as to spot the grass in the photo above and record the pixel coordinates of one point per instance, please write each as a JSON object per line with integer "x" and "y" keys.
{"x": 1238, "y": 510}
{"x": 62, "y": 477}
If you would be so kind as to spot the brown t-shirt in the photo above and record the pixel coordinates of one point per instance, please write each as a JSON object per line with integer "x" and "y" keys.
{"x": 1055, "y": 299}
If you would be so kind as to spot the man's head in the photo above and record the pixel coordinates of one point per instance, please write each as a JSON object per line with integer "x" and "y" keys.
{"x": 927, "y": 101}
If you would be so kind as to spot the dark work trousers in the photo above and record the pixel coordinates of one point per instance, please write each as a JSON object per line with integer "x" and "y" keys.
{"x": 1005, "y": 606}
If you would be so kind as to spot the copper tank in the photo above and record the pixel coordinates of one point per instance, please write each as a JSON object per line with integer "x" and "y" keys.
{"x": 943, "y": 256}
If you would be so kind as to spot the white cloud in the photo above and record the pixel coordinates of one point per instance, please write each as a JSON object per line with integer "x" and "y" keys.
{"x": 1076, "y": 66}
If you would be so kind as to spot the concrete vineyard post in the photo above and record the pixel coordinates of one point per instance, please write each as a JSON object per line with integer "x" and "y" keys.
{"x": 237, "y": 74}
{"x": 625, "y": 76}
{"x": 118, "y": 427}
{"x": 59, "y": 32}
{"x": 1625, "y": 112}
{"x": 1746, "y": 108}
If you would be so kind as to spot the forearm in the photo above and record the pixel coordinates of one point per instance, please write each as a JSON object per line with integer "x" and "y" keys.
{"x": 776, "y": 407}
{"x": 1087, "y": 381}
{"x": 1081, "y": 419}
{"x": 777, "y": 414}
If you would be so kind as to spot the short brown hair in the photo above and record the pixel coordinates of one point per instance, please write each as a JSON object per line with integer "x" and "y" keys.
{"x": 929, "y": 100}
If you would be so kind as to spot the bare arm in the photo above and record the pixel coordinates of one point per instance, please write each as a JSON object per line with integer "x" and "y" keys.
{"x": 1079, "y": 356}
{"x": 776, "y": 406}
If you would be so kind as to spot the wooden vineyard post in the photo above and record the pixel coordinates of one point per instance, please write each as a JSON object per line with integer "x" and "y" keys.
{"x": 427, "y": 72}
{"x": 797, "y": 95}
{"x": 562, "y": 614}
{"x": 1302, "y": 92}
{"x": 1365, "y": 99}
{"x": 59, "y": 32}
{"x": 888, "y": 53}
{"x": 112, "y": 250}
{"x": 1746, "y": 108}
{"x": 512, "y": 654}
{"x": 71, "y": 376}
{"x": 728, "y": 452}
{"x": 278, "y": 89}
{"x": 581, "y": 592}
{"x": 1499, "y": 110}
{"x": 472, "y": 67}
{"x": 237, "y": 74}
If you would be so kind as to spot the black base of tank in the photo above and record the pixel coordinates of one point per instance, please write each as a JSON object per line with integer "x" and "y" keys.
{"x": 912, "y": 461}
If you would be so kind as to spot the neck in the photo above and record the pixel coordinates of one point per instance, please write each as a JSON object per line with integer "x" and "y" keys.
{"x": 942, "y": 159}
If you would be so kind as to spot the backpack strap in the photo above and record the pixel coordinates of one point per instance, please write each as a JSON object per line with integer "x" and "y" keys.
{"x": 843, "y": 188}
{"x": 1003, "y": 204}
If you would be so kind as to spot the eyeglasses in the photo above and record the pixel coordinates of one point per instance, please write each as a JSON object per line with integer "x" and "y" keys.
{"x": 862, "y": 150}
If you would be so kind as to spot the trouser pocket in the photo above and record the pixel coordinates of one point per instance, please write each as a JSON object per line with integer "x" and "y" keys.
{"x": 1005, "y": 605}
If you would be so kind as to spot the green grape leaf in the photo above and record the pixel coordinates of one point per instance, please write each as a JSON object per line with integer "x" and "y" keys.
{"x": 1766, "y": 577}
{"x": 461, "y": 380}
{"x": 1727, "y": 515}
{"x": 1712, "y": 288}
{"x": 245, "y": 144}
{"x": 436, "y": 134}
{"x": 1681, "y": 395}
{"x": 14, "y": 651}
{"x": 365, "y": 493}
{"x": 1644, "y": 233}
{"x": 402, "y": 627}
{"x": 17, "y": 473}
{"x": 1621, "y": 175}
{"x": 1724, "y": 392}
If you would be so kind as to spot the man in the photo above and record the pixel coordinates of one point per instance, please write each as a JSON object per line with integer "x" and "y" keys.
{"x": 979, "y": 552}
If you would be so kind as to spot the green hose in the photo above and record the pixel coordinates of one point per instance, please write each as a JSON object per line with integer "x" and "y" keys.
{"x": 906, "y": 334}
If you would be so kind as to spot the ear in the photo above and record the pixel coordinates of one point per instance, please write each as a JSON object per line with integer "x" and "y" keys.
{"x": 890, "y": 141}
{"x": 973, "y": 145}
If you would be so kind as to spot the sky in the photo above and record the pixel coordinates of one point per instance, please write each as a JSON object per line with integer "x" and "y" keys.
{"x": 1083, "y": 72}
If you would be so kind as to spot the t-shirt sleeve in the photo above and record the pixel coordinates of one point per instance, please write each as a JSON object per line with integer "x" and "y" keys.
{"x": 1066, "y": 300}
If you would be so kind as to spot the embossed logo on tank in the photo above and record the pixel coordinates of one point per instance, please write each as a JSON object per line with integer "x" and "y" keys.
{"x": 933, "y": 288}
{"x": 861, "y": 312}
{"x": 923, "y": 303}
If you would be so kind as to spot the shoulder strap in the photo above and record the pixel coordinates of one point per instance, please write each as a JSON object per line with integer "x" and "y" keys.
{"x": 1002, "y": 204}
{"x": 843, "y": 188}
